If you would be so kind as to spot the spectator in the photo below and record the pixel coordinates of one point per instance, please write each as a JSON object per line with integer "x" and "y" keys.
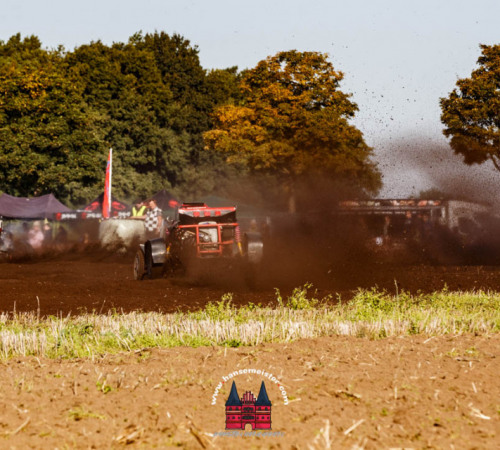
{"x": 61, "y": 239}
{"x": 253, "y": 225}
{"x": 47, "y": 234}
{"x": 35, "y": 236}
{"x": 427, "y": 227}
{"x": 84, "y": 241}
{"x": 6, "y": 244}
{"x": 266, "y": 229}
{"x": 408, "y": 229}
{"x": 387, "y": 230}
{"x": 153, "y": 220}
{"x": 138, "y": 210}
{"x": 25, "y": 229}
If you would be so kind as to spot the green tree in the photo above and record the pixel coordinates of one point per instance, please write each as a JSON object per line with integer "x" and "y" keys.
{"x": 223, "y": 86}
{"x": 471, "y": 113}
{"x": 149, "y": 99}
{"x": 294, "y": 122}
{"x": 49, "y": 140}
{"x": 195, "y": 93}
{"x": 155, "y": 99}
{"x": 124, "y": 84}
{"x": 179, "y": 65}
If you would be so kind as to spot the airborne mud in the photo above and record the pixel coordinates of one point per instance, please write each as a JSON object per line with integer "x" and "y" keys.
{"x": 86, "y": 280}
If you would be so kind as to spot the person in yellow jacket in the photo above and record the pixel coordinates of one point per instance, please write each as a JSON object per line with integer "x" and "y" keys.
{"x": 139, "y": 210}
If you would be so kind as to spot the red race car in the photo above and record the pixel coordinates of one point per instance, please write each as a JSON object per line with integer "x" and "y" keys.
{"x": 200, "y": 238}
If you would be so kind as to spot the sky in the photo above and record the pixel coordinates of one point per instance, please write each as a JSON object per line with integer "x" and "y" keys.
{"x": 399, "y": 57}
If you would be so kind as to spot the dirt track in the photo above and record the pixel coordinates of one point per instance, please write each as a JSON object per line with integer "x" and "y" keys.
{"x": 95, "y": 281}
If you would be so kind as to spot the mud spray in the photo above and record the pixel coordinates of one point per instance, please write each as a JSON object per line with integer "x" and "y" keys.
{"x": 319, "y": 246}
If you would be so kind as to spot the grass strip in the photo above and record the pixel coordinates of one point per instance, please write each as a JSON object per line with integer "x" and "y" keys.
{"x": 371, "y": 313}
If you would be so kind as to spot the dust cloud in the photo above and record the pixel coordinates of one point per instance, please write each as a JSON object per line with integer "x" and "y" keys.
{"x": 321, "y": 245}
{"x": 411, "y": 166}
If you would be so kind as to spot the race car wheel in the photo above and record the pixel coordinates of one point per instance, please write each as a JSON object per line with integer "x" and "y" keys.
{"x": 152, "y": 270}
{"x": 139, "y": 265}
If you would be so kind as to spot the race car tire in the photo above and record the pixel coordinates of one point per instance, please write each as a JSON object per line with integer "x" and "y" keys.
{"x": 152, "y": 251}
{"x": 139, "y": 265}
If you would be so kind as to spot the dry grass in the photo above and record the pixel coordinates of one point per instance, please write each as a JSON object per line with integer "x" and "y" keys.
{"x": 371, "y": 314}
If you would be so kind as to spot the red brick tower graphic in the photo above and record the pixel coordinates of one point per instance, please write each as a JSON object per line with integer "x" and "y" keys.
{"x": 248, "y": 409}
{"x": 233, "y": 409}
{"x": 263, "y": 410}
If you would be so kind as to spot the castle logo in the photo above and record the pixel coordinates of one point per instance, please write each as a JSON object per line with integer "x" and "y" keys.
{"x": 248, "y": 410}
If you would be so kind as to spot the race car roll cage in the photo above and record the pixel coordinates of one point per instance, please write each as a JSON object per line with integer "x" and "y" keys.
{"x": 214, "y": 230}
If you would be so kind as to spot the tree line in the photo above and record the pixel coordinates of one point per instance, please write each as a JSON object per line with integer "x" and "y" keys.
{"x": 149, "y": 99}
{"x": 173, "y": 124}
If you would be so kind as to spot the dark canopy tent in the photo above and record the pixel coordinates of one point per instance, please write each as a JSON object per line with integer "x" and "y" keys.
{"x": 165, "y": 200}
{"x": 43, "y": 207}
{"x": 117, "y": 207}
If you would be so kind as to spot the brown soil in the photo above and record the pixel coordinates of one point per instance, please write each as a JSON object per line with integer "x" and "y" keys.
{"x": 410, "y": 392}
{"x": 94, "y": 281}
{"x": 420, "y": 392}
